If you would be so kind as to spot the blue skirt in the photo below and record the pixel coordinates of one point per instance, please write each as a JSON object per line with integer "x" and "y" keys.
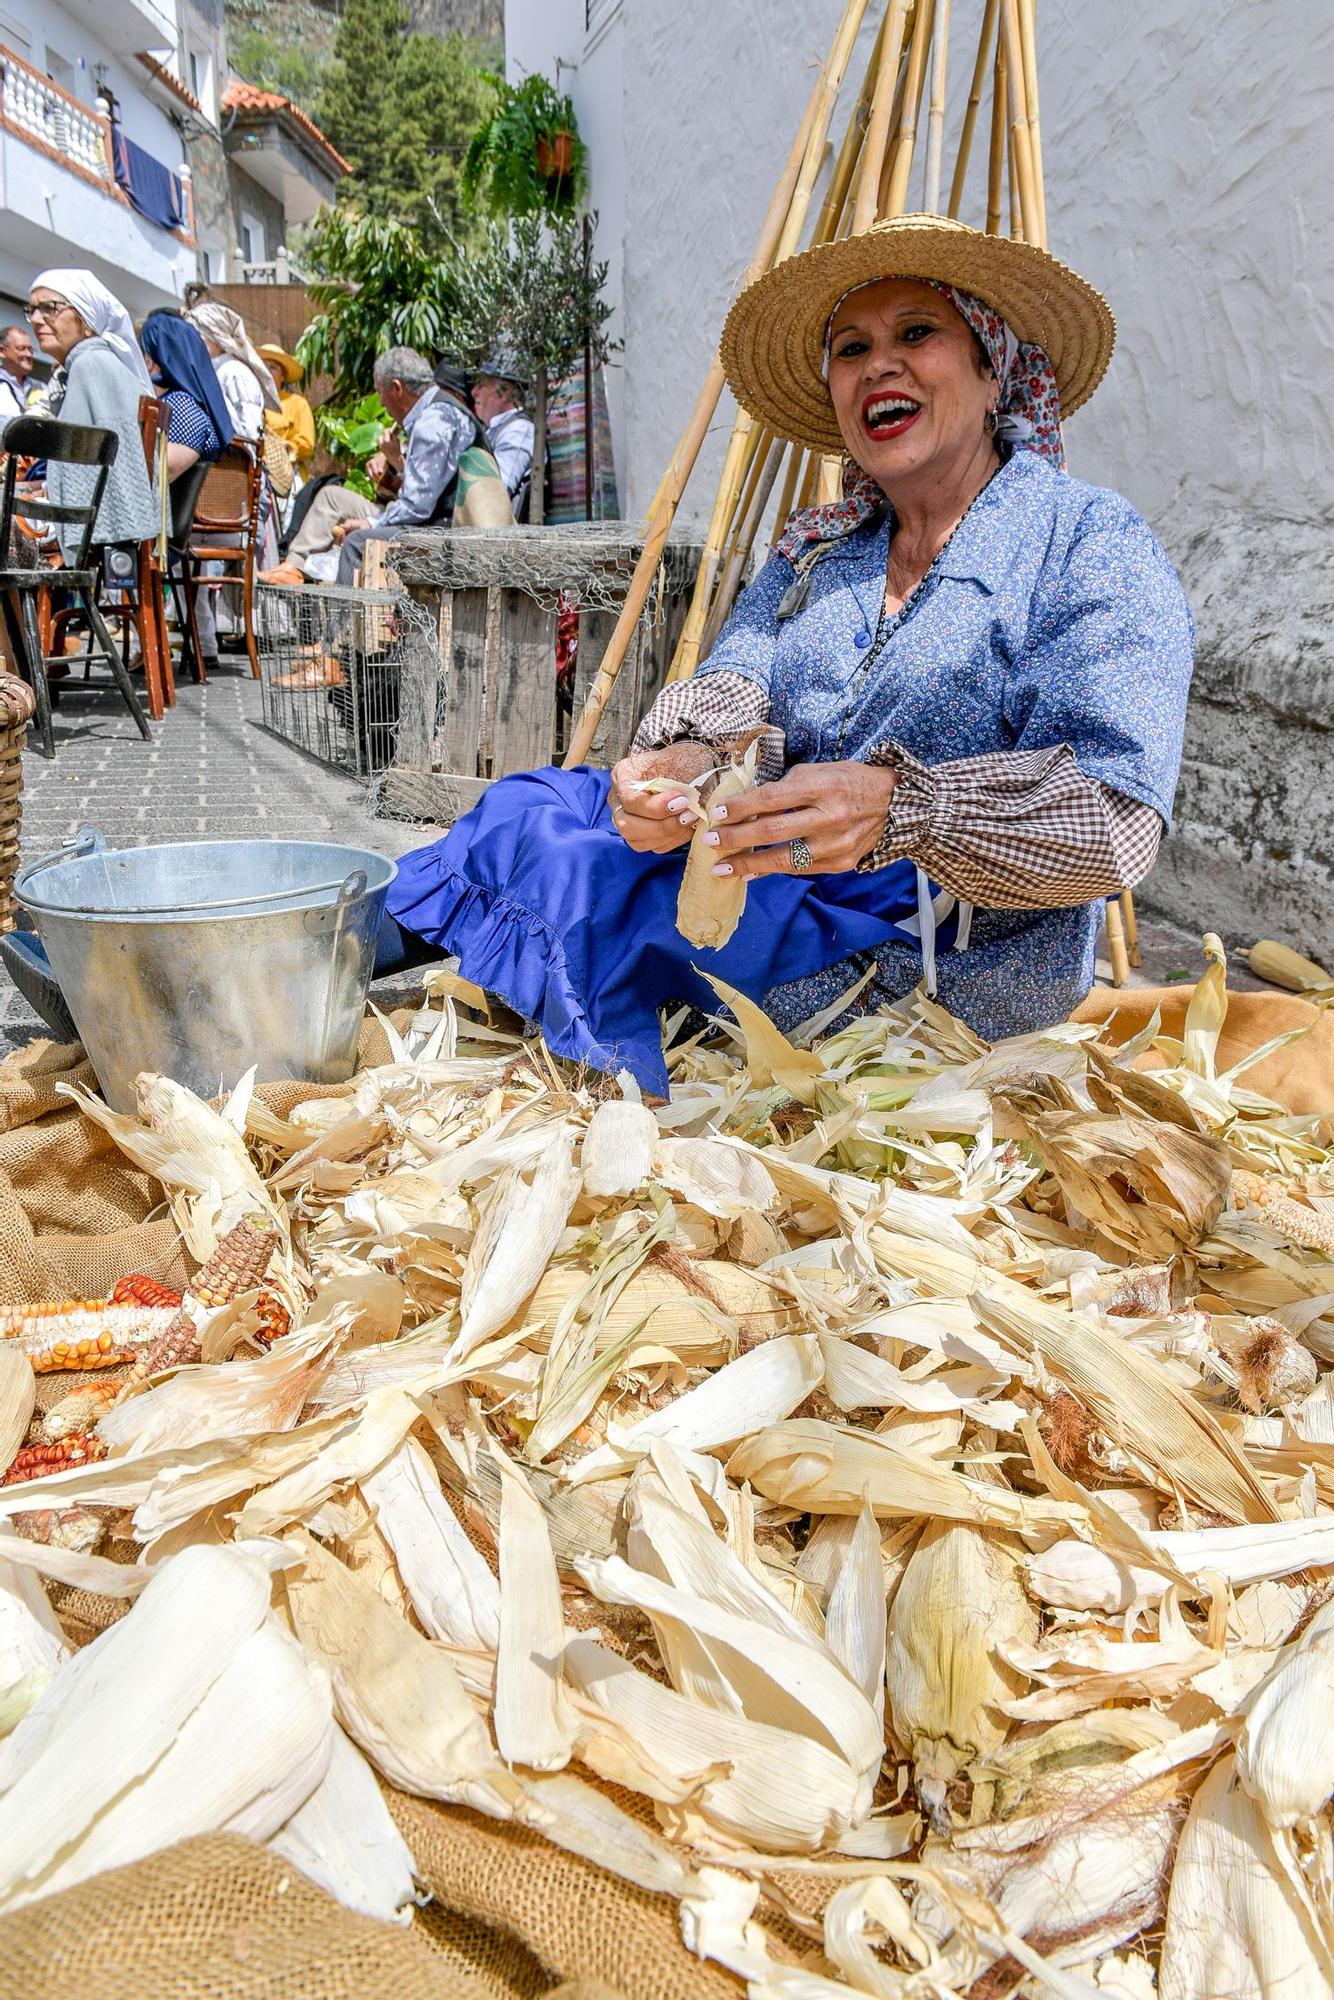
{"x": 545, "y": 906}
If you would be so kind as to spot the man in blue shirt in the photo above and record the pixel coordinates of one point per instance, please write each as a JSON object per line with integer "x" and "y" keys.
{"x": 435, "y": 430}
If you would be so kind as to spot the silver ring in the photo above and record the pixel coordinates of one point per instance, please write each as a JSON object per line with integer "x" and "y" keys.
{"x": 800, "y": 856}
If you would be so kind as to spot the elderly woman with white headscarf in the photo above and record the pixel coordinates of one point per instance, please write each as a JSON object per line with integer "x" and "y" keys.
{"x": 99, "y": 378}
{"x": 246, "y": 382}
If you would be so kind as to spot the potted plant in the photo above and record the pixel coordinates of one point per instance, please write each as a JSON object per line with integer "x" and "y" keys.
{"x": 528, "y": 157}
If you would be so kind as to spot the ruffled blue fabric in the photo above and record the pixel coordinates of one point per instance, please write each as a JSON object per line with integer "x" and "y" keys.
{"x": 545, "y": 906}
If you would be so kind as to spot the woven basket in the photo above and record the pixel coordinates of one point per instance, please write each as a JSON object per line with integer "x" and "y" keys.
{"x": 16, "y": 707}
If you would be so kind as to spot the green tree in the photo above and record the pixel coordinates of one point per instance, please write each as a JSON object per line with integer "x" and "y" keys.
{"x": 400, "y": 108}
{"x": 376, "y": 287}
{"x": 533, "y": 292}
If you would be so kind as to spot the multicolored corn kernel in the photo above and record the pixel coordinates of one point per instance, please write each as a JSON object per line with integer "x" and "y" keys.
{"x": 139, "y": 1290}
{"x": 34, "y": 1461}
{"x": 236, "y": 1266}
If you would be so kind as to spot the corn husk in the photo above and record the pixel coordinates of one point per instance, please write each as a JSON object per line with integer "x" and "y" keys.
{"x": 960, "y": 1604}
{"x": 709, "y": 906}
{"x": 1239, "y": 1919}
{"x": 884, "y": 1421}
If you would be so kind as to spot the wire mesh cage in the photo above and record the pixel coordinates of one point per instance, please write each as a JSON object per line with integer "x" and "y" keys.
{"x": 331, "y": 663}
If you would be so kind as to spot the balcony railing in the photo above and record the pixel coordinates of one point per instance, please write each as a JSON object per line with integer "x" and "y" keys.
{"x": 48, "y": 118}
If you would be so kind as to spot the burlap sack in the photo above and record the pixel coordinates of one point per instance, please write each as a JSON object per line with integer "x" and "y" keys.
{"x": 74, "y": 1212}
{"x": 1299, "y": 1077}
{"x": 220, "y": 1919}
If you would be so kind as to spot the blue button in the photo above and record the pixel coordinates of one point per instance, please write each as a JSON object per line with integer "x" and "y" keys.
{"x": 862, "y": 640}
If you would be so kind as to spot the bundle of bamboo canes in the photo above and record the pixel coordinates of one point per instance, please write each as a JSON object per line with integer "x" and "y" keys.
{"x": 901, "y": 98}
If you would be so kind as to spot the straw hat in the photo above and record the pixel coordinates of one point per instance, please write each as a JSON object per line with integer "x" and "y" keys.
{"x": 773, "y": 342}
{"x": 291, "y": 367}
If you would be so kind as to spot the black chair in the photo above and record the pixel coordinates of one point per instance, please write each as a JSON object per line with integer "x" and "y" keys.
{"x": 58, "y": 444}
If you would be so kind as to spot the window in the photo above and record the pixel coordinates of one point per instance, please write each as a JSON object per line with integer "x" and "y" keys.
{"x": 201, "y": 80}
{"x": 252, "y": 239}
{"x": 61, "y": 70}
{"x": 14, "y": 36}
{"x": 214, "y": 263}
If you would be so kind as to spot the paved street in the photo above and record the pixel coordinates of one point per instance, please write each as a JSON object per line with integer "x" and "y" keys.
{"x": 213, "y": 772}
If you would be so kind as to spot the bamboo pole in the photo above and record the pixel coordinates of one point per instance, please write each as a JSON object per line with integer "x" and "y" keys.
{"x": 1028, "y": 35}
{"x": 984, "y": 42}
{"x": 673, "y": 484}
{"x": 1020, "y": 134}
{"x": 996, "y": 160}
{"x": 743, "y": 540}
{"x": 810, "y": 482}
{"x": 787, "y": 492}
{"x": 831, "y": 83}
{"x": 882, "y": 106}
{"x": 1012, "y": 173}
{"x": 841, "y": 181}
{"x": 912, "y": 104}
{"x": 935, "y": 123}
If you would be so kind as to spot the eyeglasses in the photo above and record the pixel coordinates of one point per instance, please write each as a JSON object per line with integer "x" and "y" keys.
{"x": 45, "y": 309}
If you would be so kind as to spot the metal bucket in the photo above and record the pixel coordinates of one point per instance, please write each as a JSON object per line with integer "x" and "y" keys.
{"x": 202, "y": 958}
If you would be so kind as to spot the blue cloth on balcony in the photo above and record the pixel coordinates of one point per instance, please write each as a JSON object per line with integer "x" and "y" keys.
{"x": 151, "y": 188}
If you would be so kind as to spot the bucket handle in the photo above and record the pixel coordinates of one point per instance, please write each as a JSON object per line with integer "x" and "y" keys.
{"x": 350, "y": 892}
{"x": 76, "y": 848}
{"x": 90, "y": 841}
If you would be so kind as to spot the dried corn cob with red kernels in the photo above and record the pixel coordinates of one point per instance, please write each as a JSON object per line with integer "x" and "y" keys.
{"x": 274, "y": 1320}
{"x": 34, "y": 1461}
{"x": 236, "y": 1266}
{"x": 139, "y": 1290}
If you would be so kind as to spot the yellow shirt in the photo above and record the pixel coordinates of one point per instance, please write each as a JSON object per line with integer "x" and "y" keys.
{"x": 296, "y": 424}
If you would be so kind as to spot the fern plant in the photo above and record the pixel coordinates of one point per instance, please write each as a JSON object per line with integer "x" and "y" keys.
{"x": 514, "y": 164}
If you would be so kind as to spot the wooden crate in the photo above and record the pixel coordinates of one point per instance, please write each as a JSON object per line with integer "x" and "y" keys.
{"x": 484, "y": 654}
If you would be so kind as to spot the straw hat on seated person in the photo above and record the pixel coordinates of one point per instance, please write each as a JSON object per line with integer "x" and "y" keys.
{"x": 774, "y": 344}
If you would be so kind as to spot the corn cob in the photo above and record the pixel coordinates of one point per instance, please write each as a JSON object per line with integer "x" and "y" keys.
{"x": 34, "y": 1461}
{"x": 15, "y": 1319}
{"x": 236, "y": 1266}
{"x": 76, "y": 1339}
{"x": 79, "y": 1410}
{"x": 1301, "y": 1225}
{"x": 139, "y": 1290}
{"x": 274, "y": 1320}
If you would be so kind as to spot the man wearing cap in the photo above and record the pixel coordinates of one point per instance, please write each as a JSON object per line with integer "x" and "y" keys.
{"x": 496, "y": 397}
{"x": 421, "y": 472}
{"x": 15, "y": 372}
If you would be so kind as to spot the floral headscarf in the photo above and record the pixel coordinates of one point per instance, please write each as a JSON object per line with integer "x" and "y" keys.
{"x": 1028, "y": 418}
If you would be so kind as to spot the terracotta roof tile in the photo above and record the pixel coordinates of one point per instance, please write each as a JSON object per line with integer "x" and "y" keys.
{"x": 173, "y": 83}
{"x": 244, "y": 97}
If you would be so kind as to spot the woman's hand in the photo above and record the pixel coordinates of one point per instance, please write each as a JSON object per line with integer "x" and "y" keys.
{"x": 837, "y": 809}
{"x": 657, "y": 822}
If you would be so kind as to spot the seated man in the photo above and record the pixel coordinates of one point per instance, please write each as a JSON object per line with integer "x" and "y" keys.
{"x": 497, "y": 395}
{"x": 436, "y": 431}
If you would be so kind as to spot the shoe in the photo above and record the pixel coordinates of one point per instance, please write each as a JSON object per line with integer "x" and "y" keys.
{"x": 286, "y": 574}
{"x": 323, "y": 672}
{"x": 24, "y": 958}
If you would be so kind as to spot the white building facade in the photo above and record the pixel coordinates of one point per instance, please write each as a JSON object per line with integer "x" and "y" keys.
{"x": 60, "y": 202}
{"x": 1189, "y": 157}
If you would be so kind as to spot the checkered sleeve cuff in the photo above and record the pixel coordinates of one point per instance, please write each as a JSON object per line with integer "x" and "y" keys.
{"x": 714, "y": 709}
{"x": 1015, "y": 830}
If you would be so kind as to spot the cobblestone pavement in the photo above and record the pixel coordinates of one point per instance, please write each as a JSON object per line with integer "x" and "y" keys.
{"x": 213, "y": 772}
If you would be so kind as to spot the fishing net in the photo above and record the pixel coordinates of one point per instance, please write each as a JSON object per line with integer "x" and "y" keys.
{"x": 500, "y": 635}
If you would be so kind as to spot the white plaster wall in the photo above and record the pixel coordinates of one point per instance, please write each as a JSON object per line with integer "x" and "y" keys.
{"x": 546, "y": 37}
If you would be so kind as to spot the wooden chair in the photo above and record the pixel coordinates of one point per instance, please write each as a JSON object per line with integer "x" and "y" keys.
{"x": 141, "y": 608}
{"x": 228, "y": 506}
{"x": 21, "y": 589}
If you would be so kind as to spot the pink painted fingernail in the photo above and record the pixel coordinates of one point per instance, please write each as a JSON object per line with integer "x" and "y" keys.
{"x": 720, "y": 812}
{"x": 677, "y": 805}
{"x": 721, "y": 868}
{"x": 712, "y": 840}
{"x": 687, "y": 819}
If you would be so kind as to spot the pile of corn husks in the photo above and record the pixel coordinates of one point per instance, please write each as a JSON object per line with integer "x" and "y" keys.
{"x": 906, "y": 1467}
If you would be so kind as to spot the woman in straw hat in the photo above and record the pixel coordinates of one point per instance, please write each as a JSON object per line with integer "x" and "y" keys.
{"x": 293, "y": 423}
{"x": 970, "y": 674}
